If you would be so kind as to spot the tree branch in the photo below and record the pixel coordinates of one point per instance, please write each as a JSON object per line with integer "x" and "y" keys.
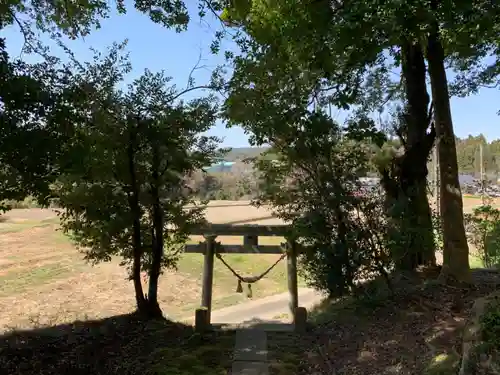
{"x": 221, "y": 21}
{"x": 179, "y": 94}
{"x": 195, "y": 67}
{"x": 26, "y": 37}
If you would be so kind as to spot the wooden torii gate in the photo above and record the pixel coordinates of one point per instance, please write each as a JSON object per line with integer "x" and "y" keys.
{"x": 211, "y": 249}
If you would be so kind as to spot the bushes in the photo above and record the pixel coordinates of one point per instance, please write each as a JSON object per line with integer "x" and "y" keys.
{"x": 483, "y": 230}
{"x": 238, "y": 184}
{"x": 28, "y": 202}
{"x": 312, "y": 185}
{"x": 490, "y": 325}
{"x": 485, "y": 356}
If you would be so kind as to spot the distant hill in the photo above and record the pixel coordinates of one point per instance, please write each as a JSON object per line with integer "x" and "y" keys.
{"x": 241, "y": 153}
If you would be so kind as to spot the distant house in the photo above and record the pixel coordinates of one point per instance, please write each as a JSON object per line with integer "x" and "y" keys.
{"x": 221, "y": 166}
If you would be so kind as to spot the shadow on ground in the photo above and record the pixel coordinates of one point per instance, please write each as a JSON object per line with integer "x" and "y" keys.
{"x": 117, "y": 345}
{"x": 417, "y": 332}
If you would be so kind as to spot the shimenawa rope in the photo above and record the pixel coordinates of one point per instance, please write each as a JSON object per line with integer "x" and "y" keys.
{"x": 249, "y": 280}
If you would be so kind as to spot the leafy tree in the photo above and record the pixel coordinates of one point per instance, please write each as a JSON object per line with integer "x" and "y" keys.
{"x": 29, "y": 148}
{"x": 483, "y": 226}
{"x": 75, "y": 18}
{"x": 342, "y": 54}
{"x": 469, "y": 159}
{"x": 36, "y": 121}
{"x": 237, "y": 183}
{"x": 128, "y": 197}
{"x": 34, "y": 106}
{"x": 300, "y": 77}
{"x": 312, "y": 185}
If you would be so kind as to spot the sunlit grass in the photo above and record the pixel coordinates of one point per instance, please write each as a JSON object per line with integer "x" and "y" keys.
{"x": 475, "y": 262}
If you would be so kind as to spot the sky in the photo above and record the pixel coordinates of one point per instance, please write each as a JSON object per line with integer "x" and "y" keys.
{"x": 157, "y": 48}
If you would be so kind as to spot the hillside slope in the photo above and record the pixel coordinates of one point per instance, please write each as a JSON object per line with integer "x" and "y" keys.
{"x": 240, "y": 153}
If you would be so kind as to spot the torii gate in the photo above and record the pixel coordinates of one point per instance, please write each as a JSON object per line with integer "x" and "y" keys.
{"x": 211, "y": 249}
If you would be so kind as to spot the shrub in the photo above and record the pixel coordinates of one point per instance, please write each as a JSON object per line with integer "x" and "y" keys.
{"x": 28, "y": 202}
{"x": 438, "y": 230}
{"x": 313, "y": 184}
{"x": 483, "y": 231}
{"x": 490, "y": 327}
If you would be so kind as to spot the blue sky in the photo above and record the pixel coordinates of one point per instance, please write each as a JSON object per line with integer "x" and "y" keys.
{"x": 156, "y": 48}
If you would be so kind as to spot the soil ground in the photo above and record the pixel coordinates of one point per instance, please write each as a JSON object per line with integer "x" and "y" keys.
{"x": 408, "y": 334}
{"x": 471, "y": 201}
{"x": 417, "y": 332}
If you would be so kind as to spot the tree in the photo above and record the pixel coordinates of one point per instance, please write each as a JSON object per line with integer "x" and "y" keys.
{"x": 128, "y": 198}
{"x": 468, "y": 155}
{"x": 312, "y": 185}
{"x": 443, "y": 31}
{"x": 36, "y": 120}
{"x": 75, "y": 18}
{"x": 324, "y": 74}
{"x": 343, "y": 49}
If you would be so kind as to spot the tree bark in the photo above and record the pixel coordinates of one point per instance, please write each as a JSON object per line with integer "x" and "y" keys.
{"x": 133, "y": 200}
{"x": 419, "y": 144}
{"x": 406, "y": 183}
{"x": 456, "y": 249}
{"x": 158, "y": 241}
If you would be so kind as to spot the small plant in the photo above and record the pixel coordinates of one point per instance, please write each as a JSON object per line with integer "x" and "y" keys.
{"x": 483, "y": 231}
{"x": 490, "y": 326}
{"x": 438, "y": 230}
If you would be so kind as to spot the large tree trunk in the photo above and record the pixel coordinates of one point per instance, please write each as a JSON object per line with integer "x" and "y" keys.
{"x": 456, "y": 249}
{"x": 406, "y": 184}
{"x": 419, "y": 145}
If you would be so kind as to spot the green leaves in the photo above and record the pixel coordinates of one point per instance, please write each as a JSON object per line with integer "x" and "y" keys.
{"x": 311, "y": 184}
{"x": 342, "y": 46}
{"x": 138, "y": 148}
{"x": 76, "y": 18}
{"x": 36, "y": 119}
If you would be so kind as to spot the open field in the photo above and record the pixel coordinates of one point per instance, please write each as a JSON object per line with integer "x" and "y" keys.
{"x": 43, "y": 278}
{"x": 471, "y": 201}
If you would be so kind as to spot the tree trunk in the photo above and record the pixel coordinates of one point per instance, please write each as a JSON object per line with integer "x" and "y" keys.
{"x": 158, "y": 241}
{"x": 133, "y": 200}
{"x": 419, "y": 145}
{"x": 427, "y": 256}
{"x": 455, "y": 249}
{"x": 406, "y": 184}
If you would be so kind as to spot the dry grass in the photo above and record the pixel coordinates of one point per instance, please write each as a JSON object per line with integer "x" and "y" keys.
{"x": 471, "y": 201}
{"x": 44, "y": 280}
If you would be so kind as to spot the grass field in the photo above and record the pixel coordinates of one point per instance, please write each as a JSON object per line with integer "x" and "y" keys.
{"x": 44, "y": 280}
